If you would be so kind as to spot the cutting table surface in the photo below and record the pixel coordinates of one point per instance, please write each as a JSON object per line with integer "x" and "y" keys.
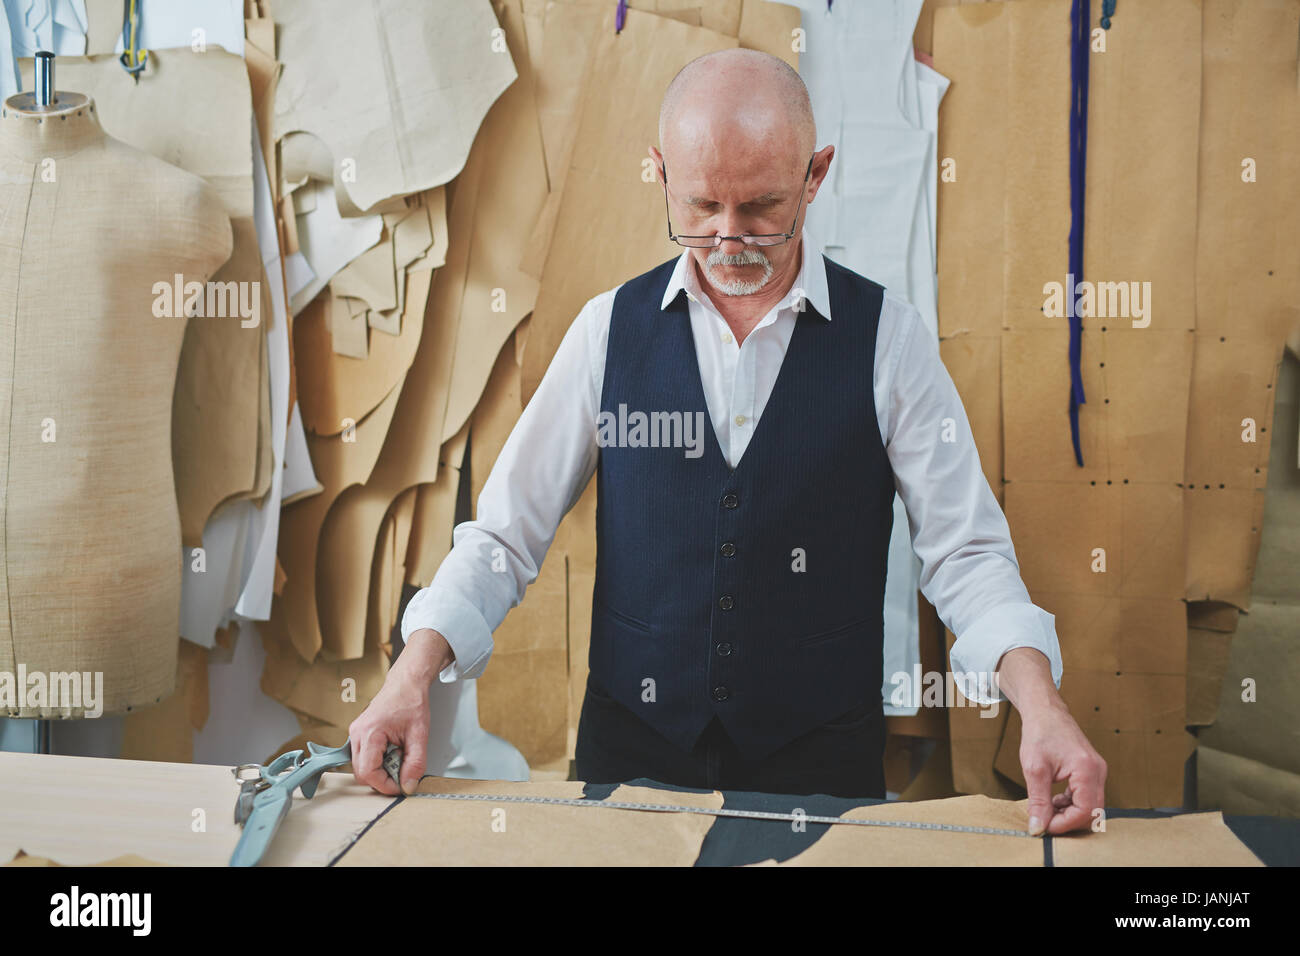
{"x": 83, "y": 810}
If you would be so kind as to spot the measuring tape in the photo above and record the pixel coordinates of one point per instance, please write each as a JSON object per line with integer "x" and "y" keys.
{"x": 721, "y": 812}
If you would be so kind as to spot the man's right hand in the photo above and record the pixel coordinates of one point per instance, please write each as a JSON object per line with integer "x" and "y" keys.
{"x": 399, "y": 714}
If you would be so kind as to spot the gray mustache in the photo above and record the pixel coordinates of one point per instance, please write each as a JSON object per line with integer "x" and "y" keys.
{"x": 749, "y": 257}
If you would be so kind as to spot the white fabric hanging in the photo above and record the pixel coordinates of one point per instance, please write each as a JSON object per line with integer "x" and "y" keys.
{"x": 879, "y": 108}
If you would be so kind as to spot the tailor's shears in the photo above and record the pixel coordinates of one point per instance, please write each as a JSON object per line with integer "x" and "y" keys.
{"x": 266, "y": 792}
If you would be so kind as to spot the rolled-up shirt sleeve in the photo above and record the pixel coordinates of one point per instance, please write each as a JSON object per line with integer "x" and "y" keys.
{"x": 541, "y": 472}
{"x": 969, "y": 570}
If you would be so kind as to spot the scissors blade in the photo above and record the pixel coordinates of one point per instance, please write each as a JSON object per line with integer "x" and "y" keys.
{"x": 269, "y": 808}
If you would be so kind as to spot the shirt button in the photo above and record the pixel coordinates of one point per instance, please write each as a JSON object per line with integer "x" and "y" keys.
{"x": 741, "y": 419}
{"x": 730, "y": 501}
{"x": 721, "y": 693}
{"x": 726, "y": 338}
{"x": 728, "y": 549}
{"x": 726, "y": 602}
{"x": 724, "y": 649}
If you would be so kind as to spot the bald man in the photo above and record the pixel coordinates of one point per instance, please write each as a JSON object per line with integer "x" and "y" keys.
{"x": 749, "y": 408}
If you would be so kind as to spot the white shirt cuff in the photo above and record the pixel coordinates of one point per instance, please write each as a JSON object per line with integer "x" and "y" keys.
{"x": 1004, "y": 627}
{"x": 460, "y": 622}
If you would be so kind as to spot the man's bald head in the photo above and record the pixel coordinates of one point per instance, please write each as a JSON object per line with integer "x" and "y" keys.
{"x": 745, "y": 99}
{"x": 736, "y": 128}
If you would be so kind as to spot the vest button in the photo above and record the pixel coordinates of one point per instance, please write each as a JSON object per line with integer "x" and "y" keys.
{"x": 728, "y": 549}
{"x": 730, "y": 501}
{"x": 721, "y": 693}
{"x": 724, "y": 649}
{"x": 726, "y": 602}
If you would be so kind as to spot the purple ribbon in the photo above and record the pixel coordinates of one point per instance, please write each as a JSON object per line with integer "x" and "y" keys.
{"x": 1078, "y": 160}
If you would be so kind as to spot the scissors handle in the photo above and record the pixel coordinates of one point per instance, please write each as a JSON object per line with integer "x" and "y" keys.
{"x": 393, "y": 763}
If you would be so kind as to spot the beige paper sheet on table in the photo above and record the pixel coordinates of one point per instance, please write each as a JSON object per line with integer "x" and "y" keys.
{"x": 849, "y": 845}
{"x": 430, "y": 832}
{"x": 146, "y": 810}
{"x": 222, "y": 371}
{"x": 1186, "y": 840}
{"x": 406, "y": 126}
{"x": 129, "y": 859}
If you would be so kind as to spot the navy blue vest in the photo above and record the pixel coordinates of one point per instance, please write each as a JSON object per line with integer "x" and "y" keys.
{"x": 701, "y": 607}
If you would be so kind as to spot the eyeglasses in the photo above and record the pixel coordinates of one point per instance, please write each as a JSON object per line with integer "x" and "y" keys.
{"x": 766, "y": 239}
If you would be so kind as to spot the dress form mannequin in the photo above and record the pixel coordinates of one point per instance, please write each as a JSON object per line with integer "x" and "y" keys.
{"x": 89, "y": 529}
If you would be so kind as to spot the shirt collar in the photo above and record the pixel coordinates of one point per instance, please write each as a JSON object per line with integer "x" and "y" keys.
{"x": 811, "y": 280}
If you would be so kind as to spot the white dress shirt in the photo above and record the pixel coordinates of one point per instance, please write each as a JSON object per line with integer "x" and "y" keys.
{"x": 969, "y": 570}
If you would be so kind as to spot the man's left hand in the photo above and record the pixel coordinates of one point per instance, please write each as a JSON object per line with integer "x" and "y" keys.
{"x": 1053, "y": 748}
